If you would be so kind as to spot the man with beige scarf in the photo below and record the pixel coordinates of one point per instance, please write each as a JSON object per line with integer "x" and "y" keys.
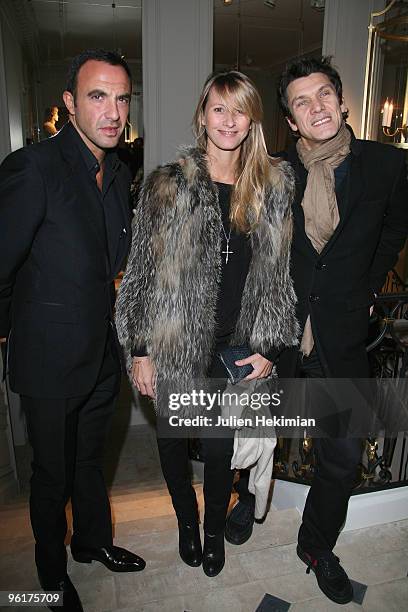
{"x": 350, "y": 222}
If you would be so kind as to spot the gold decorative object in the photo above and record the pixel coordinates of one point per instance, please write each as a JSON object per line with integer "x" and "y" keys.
{"x": 305, "y": 469}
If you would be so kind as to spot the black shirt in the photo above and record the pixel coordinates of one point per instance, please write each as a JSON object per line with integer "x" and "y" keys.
{"x": 340, "y": 175}
{"x": 233, "y": 273}
{"x": 103, "y": 203}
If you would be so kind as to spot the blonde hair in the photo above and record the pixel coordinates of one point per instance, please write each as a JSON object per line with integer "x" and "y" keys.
{"x": 255, "y": 167}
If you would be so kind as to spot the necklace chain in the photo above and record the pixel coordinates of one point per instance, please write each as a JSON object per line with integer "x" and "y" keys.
{"x": 227, "y": 252}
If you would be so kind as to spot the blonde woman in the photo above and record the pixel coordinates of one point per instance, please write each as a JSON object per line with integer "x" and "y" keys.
{"x": 209, "y": 268}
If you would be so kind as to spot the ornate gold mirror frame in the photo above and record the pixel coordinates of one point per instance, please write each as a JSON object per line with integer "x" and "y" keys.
{"x": 385, "y": 104}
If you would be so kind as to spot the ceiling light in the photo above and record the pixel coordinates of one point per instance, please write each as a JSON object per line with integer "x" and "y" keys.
{"x": 228, "y": 1}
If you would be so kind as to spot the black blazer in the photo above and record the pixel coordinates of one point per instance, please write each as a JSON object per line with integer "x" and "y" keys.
{"x": 57, "y": 267}
{"x": 337, "y": 287}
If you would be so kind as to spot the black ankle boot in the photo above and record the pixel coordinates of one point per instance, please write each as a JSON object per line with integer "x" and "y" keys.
{"x": 240, "y": 521}
{"x": 213, "y": 554}
{"x": 190, "y": 544}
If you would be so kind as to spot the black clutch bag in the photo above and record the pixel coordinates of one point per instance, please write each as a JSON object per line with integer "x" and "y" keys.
{"x": 229, "y": 356}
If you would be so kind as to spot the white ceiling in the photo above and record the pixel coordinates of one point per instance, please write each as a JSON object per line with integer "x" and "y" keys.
{"x": 267, "y": 37}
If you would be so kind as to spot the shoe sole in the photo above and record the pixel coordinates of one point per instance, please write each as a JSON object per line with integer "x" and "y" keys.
{"x": 81, "y": 558}
{"x": 339, "y": 600}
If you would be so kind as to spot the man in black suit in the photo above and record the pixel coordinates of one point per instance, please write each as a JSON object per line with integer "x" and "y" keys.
{"x": 350, "y": 222}
{"x": 64, "y": 231}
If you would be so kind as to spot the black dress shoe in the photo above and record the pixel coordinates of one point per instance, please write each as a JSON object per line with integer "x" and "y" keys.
{"x": 331, "y": 577}
{"x": 190, "y": 544}
{"x": 114, "y": 558}
{"x": 71, "y": 601}
{"x": 213, "y": 554}
{"x": 240, "y": 523}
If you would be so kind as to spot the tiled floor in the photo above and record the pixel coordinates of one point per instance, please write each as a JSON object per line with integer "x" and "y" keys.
{"x": 262, "y": 575}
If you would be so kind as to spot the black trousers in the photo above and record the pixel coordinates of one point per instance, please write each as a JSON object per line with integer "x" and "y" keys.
{"x": 337, "y": 464}
{"x": 337, "y": 460}
{"x": 68, "y": 437}
{"x": 217, "y": 453}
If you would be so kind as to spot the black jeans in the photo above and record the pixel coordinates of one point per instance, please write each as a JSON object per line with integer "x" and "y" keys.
{"x": 337, "y": 462}
{"x": 217, "y": 453}
{"x": 67, "y": 437}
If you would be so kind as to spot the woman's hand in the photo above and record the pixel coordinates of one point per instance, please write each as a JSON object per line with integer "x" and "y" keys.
{"x": 262, "y": 367}
{"x": 143, "y": 375}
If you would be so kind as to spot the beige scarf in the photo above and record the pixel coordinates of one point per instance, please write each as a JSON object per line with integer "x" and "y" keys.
{"x": 319, "y": 199}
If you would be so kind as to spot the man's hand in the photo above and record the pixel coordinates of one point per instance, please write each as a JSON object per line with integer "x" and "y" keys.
{"x": 2, "y": 340}
{"x": 262, "y": 367}
{"x": 143, "y": 376}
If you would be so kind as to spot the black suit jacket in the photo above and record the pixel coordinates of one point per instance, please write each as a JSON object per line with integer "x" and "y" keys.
{"x": 337, "y": 287}
{"x": 57, "y": 266}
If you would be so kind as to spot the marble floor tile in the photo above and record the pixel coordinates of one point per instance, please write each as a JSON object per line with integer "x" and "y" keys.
{"x": 159, "y": 549}
{"x": 295, "y": 587}
{"x": 165, "y": 604}
{"x": 323, "y": 604}
{"x": 388, "y": 537}
{"x": 15, "y": 521}
{"x": 387, "y": 597}
{"x": 375, "y": 569}
{"x": 269, "y": 562}
{"x": 178, "y": 579}
{"x": 145, "y": 523}
{"x": 98, "y": 595}
{"x": 242, "y": 597}
{"x": 17, "y": 571}
{"x": 84, "y": 572}
{"x": 15, "y": 545}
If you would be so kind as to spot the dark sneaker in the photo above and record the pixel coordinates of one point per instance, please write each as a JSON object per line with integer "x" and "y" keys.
{"x": 240, "y": 522}
{"x": 331, "y": 577}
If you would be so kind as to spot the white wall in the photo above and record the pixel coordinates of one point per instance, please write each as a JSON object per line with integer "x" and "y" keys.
{"x": 345, "y": 36}
{"x": 177, "y": 57}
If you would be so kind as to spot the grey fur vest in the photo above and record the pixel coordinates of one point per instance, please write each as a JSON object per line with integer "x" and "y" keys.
{"x": 168, "y": 295}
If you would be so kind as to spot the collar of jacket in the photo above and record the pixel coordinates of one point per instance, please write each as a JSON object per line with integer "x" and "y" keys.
{"x": 192, "y": 164}
{"x": 74, "y": 150}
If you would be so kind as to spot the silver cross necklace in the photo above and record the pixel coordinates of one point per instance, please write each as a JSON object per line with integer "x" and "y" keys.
{"x": 227, "y": 252}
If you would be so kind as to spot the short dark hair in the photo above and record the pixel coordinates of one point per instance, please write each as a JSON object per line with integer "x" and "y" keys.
{"x": 303, "y": 67}
{"x": 99, "y": 55}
